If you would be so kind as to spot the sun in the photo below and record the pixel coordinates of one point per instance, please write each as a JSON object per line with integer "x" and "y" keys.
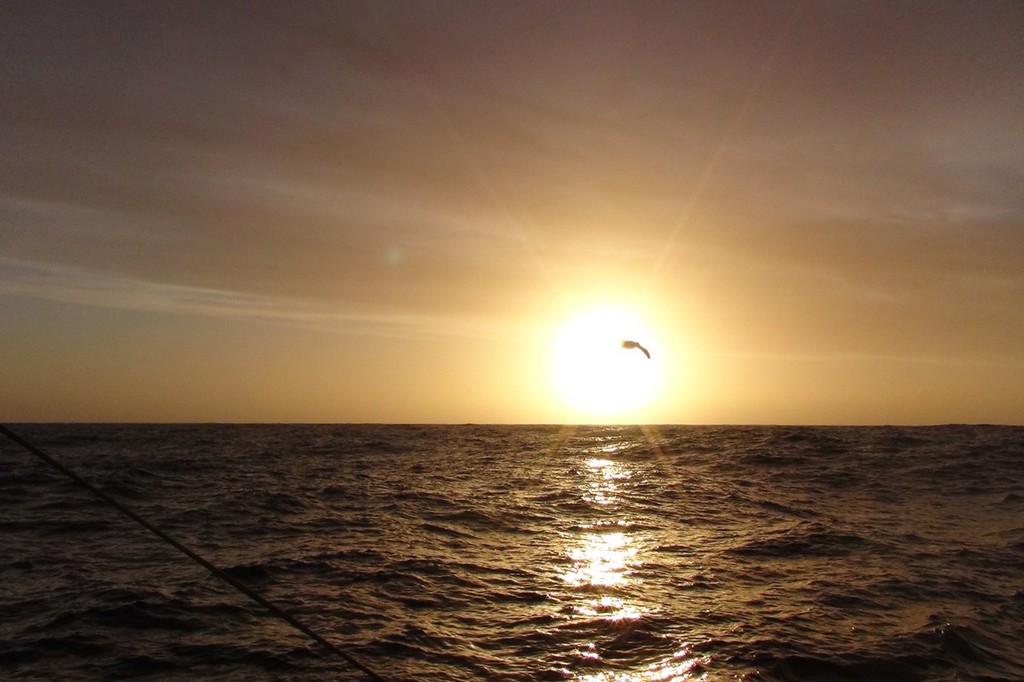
{"x": 594, "y": 375}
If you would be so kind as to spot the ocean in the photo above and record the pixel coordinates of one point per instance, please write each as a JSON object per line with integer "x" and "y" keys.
{"x": 517, "y": 553}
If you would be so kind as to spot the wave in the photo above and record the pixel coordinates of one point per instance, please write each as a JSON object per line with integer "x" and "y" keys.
{"x": 755, "y": 553}
{"x": 804, "y": 539}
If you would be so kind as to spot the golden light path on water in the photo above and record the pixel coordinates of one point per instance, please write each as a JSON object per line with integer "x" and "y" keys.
{"x": 604, "y": 554}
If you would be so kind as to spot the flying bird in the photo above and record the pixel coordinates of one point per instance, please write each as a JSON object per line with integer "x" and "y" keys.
{"x": 635, "y": 344}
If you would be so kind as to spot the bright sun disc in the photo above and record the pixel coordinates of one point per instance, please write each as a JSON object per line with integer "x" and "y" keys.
{"x": 594, "y": 375}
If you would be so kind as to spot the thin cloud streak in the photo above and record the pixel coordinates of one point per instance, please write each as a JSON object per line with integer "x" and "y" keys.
{"x": 70, "y": 285}
{"x": 829, "y": 358}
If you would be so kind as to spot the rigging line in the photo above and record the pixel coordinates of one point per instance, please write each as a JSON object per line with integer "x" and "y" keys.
{"x": 191, "y": 554}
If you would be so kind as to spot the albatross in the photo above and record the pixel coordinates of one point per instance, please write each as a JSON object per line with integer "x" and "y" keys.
{"x": 635, "y": 344}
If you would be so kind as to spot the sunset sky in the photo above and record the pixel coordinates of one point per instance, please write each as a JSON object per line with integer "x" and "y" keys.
{"x": 399, "y": 211}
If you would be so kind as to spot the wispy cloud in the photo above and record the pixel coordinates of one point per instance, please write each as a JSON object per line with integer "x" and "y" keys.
{"x": 81, "y": 287}
{"x": 875, "y": 359}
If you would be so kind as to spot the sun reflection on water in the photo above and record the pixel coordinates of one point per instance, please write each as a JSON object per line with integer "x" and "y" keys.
{"x": 681, "y": 667}
{"x": 603, "y": 486}
{"x": 602, "y": 559}
{"x": 604, "y": 551}
{"x": 603, "y": 554}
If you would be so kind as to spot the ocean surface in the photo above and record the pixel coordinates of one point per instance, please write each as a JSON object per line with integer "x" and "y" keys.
{"x": 517, "y": 553}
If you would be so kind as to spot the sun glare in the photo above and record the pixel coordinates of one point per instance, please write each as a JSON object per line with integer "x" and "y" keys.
{"x": 594, "y": 375}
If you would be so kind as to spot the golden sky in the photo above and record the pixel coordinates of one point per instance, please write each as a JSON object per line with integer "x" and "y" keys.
{"x": 348, "y": 211}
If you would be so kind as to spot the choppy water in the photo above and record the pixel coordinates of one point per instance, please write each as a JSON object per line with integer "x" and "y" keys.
{"x": 520, "y": 553}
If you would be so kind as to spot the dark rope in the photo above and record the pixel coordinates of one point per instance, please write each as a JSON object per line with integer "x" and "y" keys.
{"x": 219, "y": 573}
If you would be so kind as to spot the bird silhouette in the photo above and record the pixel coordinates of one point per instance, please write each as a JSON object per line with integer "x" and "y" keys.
{"x": 635, "y": 344}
